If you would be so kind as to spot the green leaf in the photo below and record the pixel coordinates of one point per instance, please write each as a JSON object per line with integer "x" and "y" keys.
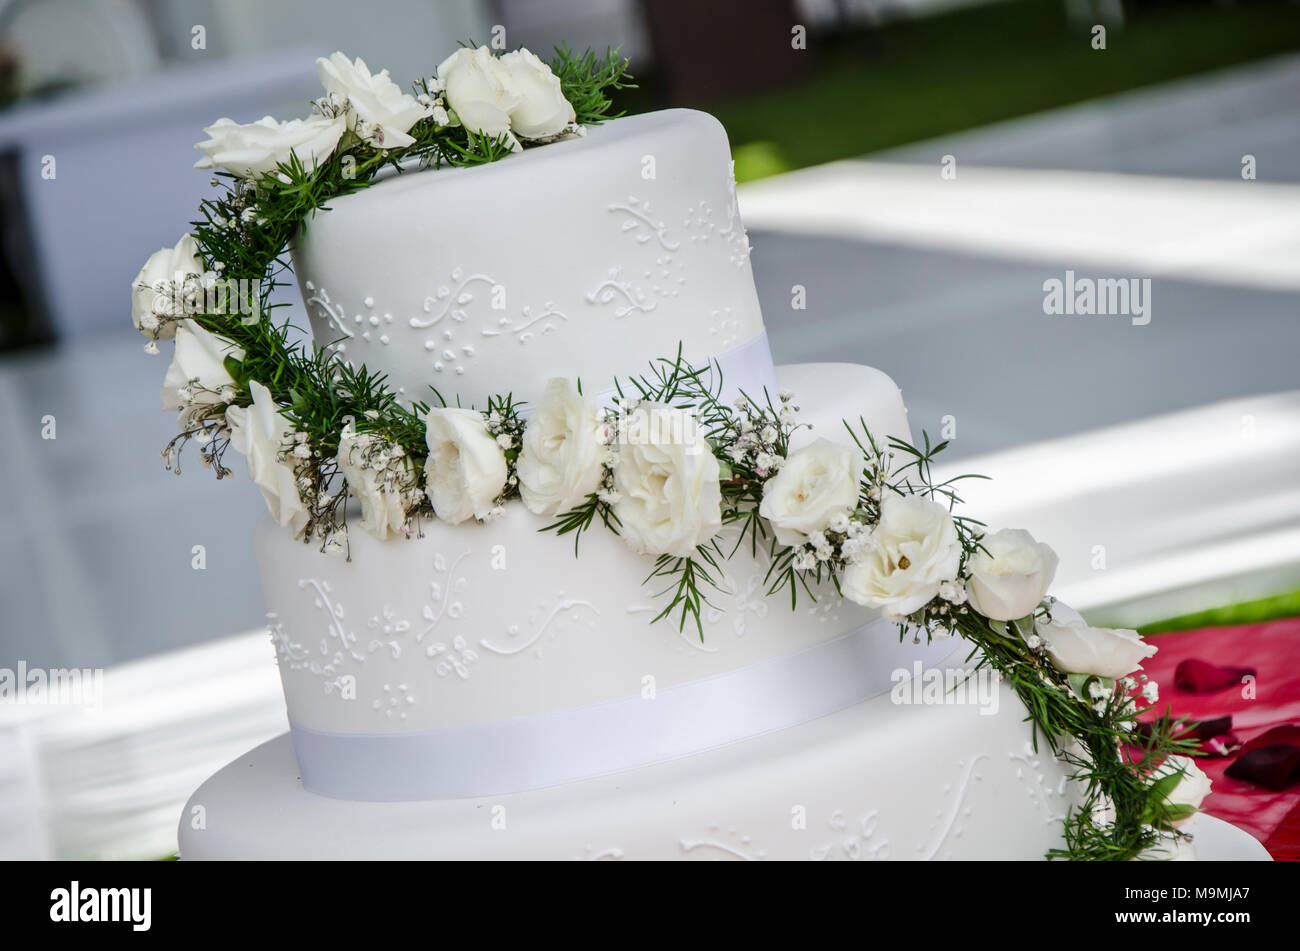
{"x": 1178, "y": 811}
{"x": 1162, "y": 787}
{"x": 1024, "y": 626}
{"x": 1079, "y": 684}
{"x": 236, "y": 370}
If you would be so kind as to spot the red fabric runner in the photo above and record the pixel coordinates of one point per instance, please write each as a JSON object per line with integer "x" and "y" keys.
{"x": 1273, "y": 649}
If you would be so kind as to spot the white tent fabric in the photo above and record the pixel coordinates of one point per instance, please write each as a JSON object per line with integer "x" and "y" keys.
{"x": 108, "y": 780}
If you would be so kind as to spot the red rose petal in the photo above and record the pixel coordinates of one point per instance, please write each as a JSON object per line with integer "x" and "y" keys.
{"x": 1273, "y": 767}
{"x": 1286, "y": 735}
{"x": 1199, "y": 676}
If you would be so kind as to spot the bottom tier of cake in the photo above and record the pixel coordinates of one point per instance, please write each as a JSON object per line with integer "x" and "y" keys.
{"x": 903, "y": 776}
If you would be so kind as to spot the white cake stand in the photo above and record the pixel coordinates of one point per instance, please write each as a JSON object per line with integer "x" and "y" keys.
{"x": 256, "y": 808}
{"x": 1214, "y": 840}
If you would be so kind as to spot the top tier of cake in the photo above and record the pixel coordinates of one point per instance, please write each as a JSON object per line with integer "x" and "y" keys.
{"x": 584, "y": 258}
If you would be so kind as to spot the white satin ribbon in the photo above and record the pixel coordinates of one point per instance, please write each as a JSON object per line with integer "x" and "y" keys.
{"x": 547, "y": 749}
{"x": 747, "y": 368}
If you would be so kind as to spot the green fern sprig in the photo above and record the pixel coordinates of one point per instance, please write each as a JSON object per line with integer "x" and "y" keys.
{"x": 587, "y": 79}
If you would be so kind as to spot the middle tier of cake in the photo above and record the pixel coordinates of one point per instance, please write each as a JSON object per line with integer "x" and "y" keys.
{"x": 483, "y": 623}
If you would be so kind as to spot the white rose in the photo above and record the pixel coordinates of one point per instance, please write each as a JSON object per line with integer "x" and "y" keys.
{"x": 915, "y": 551}
{"x": 253, "y": 150}
{"x": 1192, "y": 788}
{"x": 154, "y": 314}
{"x": 543, "y": 111}
{"x": 816, "y": 484}
{"x": 560, "y": 462}
{"x": 1009, "y": 581}
{"x": 378, "y": 111}
{"x": 666, "y": 483}
{"x": 479, "y": 90}
{"x": 1076, "y": 648}
{"x": 383, "y": 482}
{"x": 197, "y": 377}
{"x": 466, "y": 470}
{"x": 262, "y": 434}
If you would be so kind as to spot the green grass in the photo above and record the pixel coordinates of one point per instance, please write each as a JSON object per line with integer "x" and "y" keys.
{"x": 918, "y": 79}
{"x": 1249, "y": 612}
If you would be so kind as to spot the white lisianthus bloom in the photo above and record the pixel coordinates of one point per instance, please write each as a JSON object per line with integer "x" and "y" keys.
{"x": 383, "y": 481}
{"x": 197, "y": 378}
{"x": 1076, "y": 648}
{"x": 816, "y": 487}
{"x": 255, "y": 149}
{"x": 542, "y": 111}
{"x": 666, "y": 483}
{"x": 263, "y": 435}
{"x": 378, "y": 111}
{"x": 466, "y": 470}
{"x": 915, "y": 551}
{"x": 154, "y": 305}
{"x": 1192, "y": 788}
{"x": 560, "y": 462}
{"x": 1011, "y": 576}
{"x": 479, "y": 90}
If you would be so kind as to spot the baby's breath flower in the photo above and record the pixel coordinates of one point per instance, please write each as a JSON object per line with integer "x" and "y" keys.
{"x": 954, "y": 592}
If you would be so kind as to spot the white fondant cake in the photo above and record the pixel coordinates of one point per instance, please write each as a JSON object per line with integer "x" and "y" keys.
{"x": 485, "y": 660}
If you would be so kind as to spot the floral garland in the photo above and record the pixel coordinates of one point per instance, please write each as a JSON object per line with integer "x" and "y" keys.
{"x": 668, "y": 467}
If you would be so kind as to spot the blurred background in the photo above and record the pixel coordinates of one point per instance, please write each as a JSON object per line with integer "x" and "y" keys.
{"x": 920, "y": 167}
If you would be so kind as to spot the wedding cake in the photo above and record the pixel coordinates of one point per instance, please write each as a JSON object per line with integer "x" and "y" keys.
{"x": 558, "y": 635}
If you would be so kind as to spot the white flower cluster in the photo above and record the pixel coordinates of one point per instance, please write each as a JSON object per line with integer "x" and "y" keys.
{"x": 466, "y": 472}
{"x": 1073, "y": 647}
{"x": 372, "y": 106}
{"x": 667, "y": 482}
{"x": 197, "y": 383}
{"x": 565, "y": 451}
{"x": 909, "y": 559}
{"x": 813, "y": 487}
{"x": 515, "y": 96}
{"x": 660, "y": 478}
{"x": 170, "y": 286}
{"x": 915, "y": 553}
{"x": 253, "y": 150}
{"x": 245, "y": 213}
{"x": 383, "y": 478}
{"x": 845, "y": 541}
{"x": 757, "y": 443}
{"x": 274, "y": 451}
